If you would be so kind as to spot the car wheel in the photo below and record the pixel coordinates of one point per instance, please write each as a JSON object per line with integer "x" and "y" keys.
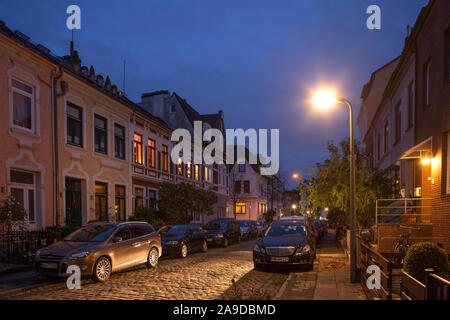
{"x": 183, "y": 250}
{"x": 102, "y": 269}
{"x": 225, "y": 243}
{"x": 204, "y": 246}
{"x": 153, "y": 258}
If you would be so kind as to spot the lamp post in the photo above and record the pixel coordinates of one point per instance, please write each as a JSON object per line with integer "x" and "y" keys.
{"x": 326, "y": 99}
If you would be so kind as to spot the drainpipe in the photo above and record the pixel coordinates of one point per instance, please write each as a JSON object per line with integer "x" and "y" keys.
{"x": 56, "y": 155}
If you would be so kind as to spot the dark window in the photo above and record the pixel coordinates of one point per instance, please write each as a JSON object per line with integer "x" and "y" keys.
{"x": 398, "y": 122}
{"x": 74, "y": 125}
{"x": 138, "y": 198}
{"x": 139, "y": 231}
{"x": 138, "y": 152}
{"x": 165, "y": 158}
{"x": 151, "y": 153}
{"x": 22, "y": 100}
{"x": 119, "y": 208}
{"x": 31, "y": 205}
{"x": 246, "y": 186}
{"x": 173, "y": 108}
{"x": 410, "y": 104}
{"x": 237, "y": 187}
{"x": 242, "y": 167}
{"x": 427, "y": 86}
{"x": 101, "y": 201}
{"x": 152, "y": 199}
{"x": 22, "y": 177}
{"x": 119, "y": 141}
{"x": 101, "y": 137}
{"x": 386, "y": 137}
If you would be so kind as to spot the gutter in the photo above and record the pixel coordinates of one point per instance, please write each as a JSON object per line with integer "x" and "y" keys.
{"x": 56, "y": 155}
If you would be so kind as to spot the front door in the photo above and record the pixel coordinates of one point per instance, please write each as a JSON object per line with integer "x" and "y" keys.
{"x": 73, "y": 202}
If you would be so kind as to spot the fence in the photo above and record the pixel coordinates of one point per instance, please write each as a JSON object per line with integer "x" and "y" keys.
{"x": 21, "y": 246}
{"x": 435, "y": 287}
{"x": 390, "y": 273}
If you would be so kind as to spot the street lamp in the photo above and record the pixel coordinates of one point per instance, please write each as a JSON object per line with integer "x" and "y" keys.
{"x": 325, "y": 99}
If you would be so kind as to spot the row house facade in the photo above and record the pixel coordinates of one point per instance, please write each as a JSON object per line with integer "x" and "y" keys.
{"x": 404, "y": 122}
{"x": 178, "y": 113}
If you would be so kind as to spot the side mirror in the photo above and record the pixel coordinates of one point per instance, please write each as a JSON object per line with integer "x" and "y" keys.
{"x": 117, "y": 239}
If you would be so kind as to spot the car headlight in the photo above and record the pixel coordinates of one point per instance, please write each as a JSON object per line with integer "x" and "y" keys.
{"x": 257, "y": 248}
{"x": 219, "y": 235}
{"x": 304, "y": 249}
{"x": 79, "y": 255}
{"x": 171, "y": 243}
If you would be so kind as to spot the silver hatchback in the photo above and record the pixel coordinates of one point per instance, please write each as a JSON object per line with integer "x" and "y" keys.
{"x": 100, "y": 249}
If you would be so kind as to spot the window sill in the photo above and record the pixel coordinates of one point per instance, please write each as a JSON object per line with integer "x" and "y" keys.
{"x": 26, "y": 132}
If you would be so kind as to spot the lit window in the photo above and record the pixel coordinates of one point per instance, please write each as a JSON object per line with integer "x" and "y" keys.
{"x": 165, "y": 158}
{"x": 119, "y": 208}
{"x": 240, "y": 208}
{"x": 151, "y": 153}
{"x": 180, "y": 166}
{"x": 101, "y": 201}
{"x": 197, "y": 172}
{"x": 138, "y": 154}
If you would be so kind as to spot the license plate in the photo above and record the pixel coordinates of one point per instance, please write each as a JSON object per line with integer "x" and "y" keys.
{"x": 279, "y": 259}
{"x": 209, "y": 240}
{"x": 49, "y": 265}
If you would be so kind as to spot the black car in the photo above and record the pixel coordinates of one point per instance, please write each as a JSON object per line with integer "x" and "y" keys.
{"x": 249, "y": 229}
{"x": 285, "y": 243}
{"x": 223, "y": 232}
{"x": 319, "y": 229}
{"x": 183, "y": 238}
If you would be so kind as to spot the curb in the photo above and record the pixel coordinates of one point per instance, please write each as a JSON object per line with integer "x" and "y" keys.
{"x": 283, "y": 287}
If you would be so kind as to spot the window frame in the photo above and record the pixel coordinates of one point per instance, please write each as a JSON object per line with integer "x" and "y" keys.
{"x": 121, "y": 140}
{"x": 102, "y": 196}
{"x": 98, "y": 130}
{"x": 240, "y": 205}
{"x": 79, "y": 121}
{"x": 120, "y": 198}
{"x": 386, "y": 137}
{"x": 427, "y": 84}
{"x": 25, "y": 188}
{"x": 151, "y": 157}
{"x": 32, "y": 98}
{"x": 165, "y": 158}
{"x": 139, "y": 144}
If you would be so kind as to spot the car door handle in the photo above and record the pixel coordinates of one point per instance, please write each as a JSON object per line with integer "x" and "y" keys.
{"x": 137, "y": 244}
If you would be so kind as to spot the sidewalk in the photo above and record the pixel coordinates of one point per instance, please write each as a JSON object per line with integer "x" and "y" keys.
{"x": 330, "y": 279}
{"x": 11, "y": 268}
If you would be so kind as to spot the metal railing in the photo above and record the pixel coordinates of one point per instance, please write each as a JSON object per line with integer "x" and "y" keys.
{"x": 397, "y": 210}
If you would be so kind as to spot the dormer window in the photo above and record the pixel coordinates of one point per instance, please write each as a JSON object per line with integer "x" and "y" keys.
{"x": 173, "y": 108}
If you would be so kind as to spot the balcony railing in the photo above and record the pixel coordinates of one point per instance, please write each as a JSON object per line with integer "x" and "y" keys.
{"x": 404, "y": 210}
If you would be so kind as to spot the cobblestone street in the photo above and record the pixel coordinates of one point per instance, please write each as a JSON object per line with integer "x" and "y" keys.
{"x": 199, "y": 276}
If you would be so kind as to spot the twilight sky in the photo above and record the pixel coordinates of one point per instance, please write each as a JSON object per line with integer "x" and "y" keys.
{"x": 257, "y": 60}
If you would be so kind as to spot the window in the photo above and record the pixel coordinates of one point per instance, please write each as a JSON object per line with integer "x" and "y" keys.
{"x": 237, "y": 187}
{"x": 23, "y": 104}
{"x": 22, "y": 190}
{"x": 427, "y": 83}
{"x": 398, "y": 122}
{"x": 151, "y": 153}
{"x": 140, "y": 230}
{"x": 180, "y": 166}
{"x": 240, "y": 208}
{"x": 197, "y": 172}
{"x": 410, "y": 105}
{"x": 101, "y": 201}
{"x": 138, "y": 198}
{"x": 189, "y": 170}
{"x": 119, "y": 208}
{"x": 378, "y": 146}
{"x": 100, "y": 134}
{"x": 123, "y": 233}
{"x": 173, "y": 108}
{"x": 246, "y": 186}
{"x": 386, "y": 138}
{"x": 119, "y": 142}
{"x": 74, "y": 125}
{"x": 151, "y": 199}
{"x": 138, "y": 152}
{"x": 242, "y": 167}
{"x": 165, "y": 158}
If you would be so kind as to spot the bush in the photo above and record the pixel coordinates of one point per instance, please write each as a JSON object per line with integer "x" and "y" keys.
{"x": 425, "y": 255}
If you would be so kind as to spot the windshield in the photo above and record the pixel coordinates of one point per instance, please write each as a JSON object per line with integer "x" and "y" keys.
{"x": 91, "y": 233}
{"x": 281, "y": 230}
{"x": 216, "y": 225}
{"x": 244, "y": 223}
{"x": 259, "y": 223}
{"x": 178, "y": 229}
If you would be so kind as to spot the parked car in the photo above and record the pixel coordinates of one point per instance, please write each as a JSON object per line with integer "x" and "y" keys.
{"x": 100, "y": 249}
{"x": 223, "y": 232}
{"x": 261, "y": 226}
{"x": 248, "y": 229}
{"x": 182, "y": 239}
{"x": 319, "y": 228}
{"x": 285, "y": 243}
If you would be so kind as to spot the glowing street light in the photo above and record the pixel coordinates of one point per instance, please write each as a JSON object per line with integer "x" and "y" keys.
{"x": 326, "y": 209}
{"x": 294, "y": 207}
{"x": 325, "y": 99}
{"x": 295, "y": 176}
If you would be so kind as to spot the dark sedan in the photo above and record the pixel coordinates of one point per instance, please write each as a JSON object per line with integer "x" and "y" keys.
{"x": 285, "y": 243}
{"x": 261, "y": 226}
{"x": 182, "y": 239}
{"x": 223, "y": 232}
{"x": 100, "y": 249}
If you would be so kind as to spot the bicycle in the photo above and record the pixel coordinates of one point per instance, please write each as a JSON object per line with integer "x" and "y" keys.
{"x": 402, "y": 245}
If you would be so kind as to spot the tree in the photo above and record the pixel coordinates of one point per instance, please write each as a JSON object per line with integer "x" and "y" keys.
{"x": 328, "y": 184}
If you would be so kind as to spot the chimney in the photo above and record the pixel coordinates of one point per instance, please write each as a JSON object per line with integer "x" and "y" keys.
{"x": 114, "y": 89}
{"x": 154, "y": 102}
{"x": 100, "y": 80}
{"x": 108, "y": 84}
{"x": 92, "y": 73}
{"x": 84, "y": 71}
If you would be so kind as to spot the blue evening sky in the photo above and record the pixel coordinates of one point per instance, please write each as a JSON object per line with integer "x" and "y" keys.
{"x": 257, "y": 60}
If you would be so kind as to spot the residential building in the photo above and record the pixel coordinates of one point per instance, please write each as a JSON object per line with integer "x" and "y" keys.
{"x": 26, "y": 127}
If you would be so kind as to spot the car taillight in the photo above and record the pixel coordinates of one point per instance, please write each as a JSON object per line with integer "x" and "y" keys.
{"x": 158, "y": 236}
